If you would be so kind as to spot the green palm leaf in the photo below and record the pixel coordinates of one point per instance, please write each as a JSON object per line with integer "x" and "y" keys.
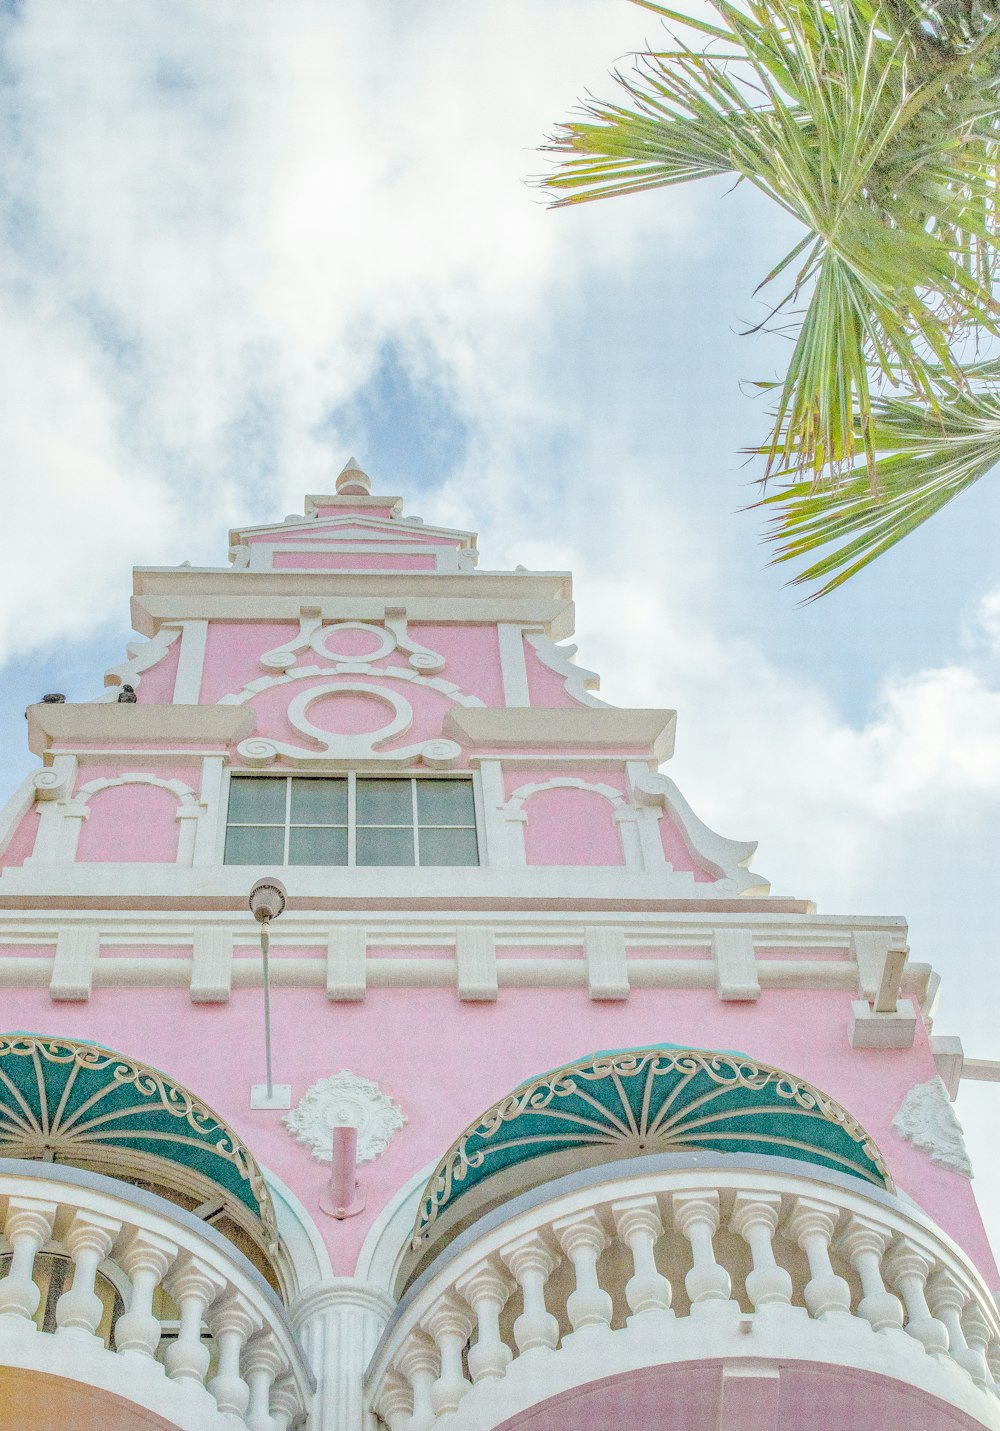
{"x": 923, "y": 456}
{"x": 878, "y": 129}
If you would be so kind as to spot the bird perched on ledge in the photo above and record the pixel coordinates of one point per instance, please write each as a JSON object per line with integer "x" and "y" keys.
{"x": 127, "y": 696}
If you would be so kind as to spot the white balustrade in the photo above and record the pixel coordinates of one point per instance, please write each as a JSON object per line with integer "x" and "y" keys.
{"x": 598, "y": 1259}
{"x": 138, "y": 1242}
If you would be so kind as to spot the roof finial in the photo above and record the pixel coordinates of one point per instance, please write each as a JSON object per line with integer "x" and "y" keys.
{"x": 352, "y": 482}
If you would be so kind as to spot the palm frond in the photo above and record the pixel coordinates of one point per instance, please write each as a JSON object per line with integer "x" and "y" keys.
{"x": 924, "y": 457}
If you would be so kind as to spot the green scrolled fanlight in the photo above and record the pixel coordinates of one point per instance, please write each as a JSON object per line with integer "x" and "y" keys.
{"x": 620, "y": 1104}
{"x": 76, "y": 1102}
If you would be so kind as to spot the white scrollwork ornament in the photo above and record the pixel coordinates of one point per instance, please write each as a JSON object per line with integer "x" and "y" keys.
{"x": 345, "y": 1100}
{"x": 927, "y": 1119}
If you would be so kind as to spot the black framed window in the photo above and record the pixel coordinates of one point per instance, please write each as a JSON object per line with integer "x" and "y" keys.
{"x": 350, "y": 820}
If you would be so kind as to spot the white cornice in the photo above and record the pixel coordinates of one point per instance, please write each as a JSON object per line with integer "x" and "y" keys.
{"x": 200, "y": 726}
{"x": 280, "y": 596}
{"x": 159, "y": 580}
{"x": 565, "y": 728}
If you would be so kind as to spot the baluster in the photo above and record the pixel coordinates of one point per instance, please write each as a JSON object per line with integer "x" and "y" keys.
{"x": 194, "y": 1288}
{"x": 993, "y": 1361}
{"x": 811, "y": 1225}
{"x": 947, "y": 1301}
{"x": 394, "y": 1401}
{"x": 696, "y": 1217}
{"x": 146, "y": 1258}
{"x": 233, "y": 1323}
{"x": 487, "y": 1289}
{"x": 583, "y": 1239}
{"x": 532, "y": 1260}
{"x": 90, "y": 1239}
{"x": 449, "y": 1322}
{"x": 420, "y": 1363}
{"x": 262, "y": 1363}
{"x": 28, "y": 1226}
{"x": 286, "y": 1403}
{"x": 863, "y": 1244}
{"x": 978, "y": 1333}
{"x": 638, "y": 1223}
{"x": 907, "y": 1269}
{"x": 755, "y": 1219}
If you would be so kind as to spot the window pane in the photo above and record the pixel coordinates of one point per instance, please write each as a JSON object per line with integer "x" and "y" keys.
{"x": 384, "y": 847}
{"x": 319, "y": 802}
{"x": 322, "y": 845}
{"x": 448, "y": 847}
{"x": 256, "y": 800}
{"x": 246, "y": 845}
{"x": 445, "y": 802}
{"x": 384, "y": 802}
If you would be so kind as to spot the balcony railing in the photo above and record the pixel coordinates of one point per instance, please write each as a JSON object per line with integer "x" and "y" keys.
{"x": 226, "y": 1351}
{"x": 677, "y": 1258}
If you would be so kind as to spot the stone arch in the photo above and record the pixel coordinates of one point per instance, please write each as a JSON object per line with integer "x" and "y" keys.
{"x": 187, "y": 812}
{"x": 623, "y": 813}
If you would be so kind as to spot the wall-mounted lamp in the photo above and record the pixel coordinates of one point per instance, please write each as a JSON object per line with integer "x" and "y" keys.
{"x": 342, "y": 1196}
{"x": 267, "y": 900}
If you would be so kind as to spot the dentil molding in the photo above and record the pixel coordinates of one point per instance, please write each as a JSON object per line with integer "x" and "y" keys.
{"x": 341, "y": 1100}
{"x": 927, "y": 1119}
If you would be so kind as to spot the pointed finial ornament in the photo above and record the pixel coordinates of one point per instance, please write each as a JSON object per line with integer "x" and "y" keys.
{"x": 352, "y": 482}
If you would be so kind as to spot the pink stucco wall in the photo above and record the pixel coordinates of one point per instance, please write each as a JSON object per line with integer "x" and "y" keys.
{"x": 132, "y": 823}
{"x": 445, "y": 1062}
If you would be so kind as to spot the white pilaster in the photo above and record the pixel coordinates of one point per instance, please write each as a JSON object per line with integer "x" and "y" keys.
{"x": 60, "y": 777}
{"x": 206, "y": 845}
{"x": 339, "y": 1324}
{"x": 190, "y": 663}
{"x": 513, "y": 671}
{"x": 504, "y": 836}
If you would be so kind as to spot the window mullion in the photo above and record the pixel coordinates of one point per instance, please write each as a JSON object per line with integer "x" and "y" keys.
{"x": 288, "y": 815}
{"x": 352, "y": 822}
{"x": 416, "y": 827}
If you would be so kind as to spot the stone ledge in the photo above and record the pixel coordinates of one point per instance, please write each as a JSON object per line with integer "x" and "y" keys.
{"x": 105, "y": 724}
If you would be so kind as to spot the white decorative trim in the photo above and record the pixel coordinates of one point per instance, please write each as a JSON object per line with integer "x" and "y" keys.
{"x": 188, "y": 811}
{"x": 352, "y": 668}
{"x": 392, "y": 635}
{"x": 190, "y": 663}
{"x": 577, "y": 680}
{"x": 345, "y": 1099}
{"x": 513, "y": 671}
{"x": 735, "y": 965}
{"x": 21, "y": 802}
{"x": 77, "y": 948}
{"x": 364, "y": 746}
{"x": 727, "y": 860}
{"x": 142, "y": 656}
{"x": 625, "y": 815}
{"x": 607, "y": 965}
{"x": 476, "y": 959}
{"x": 927, "y": 1119}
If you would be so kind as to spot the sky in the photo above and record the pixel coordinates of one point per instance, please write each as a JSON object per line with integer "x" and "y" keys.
{"x": 241, "y": 241}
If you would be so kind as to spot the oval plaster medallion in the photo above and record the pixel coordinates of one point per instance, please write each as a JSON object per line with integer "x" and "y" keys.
{"x": 341, "y": 1100}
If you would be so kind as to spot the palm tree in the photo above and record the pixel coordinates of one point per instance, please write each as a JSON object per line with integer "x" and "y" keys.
{"x": 877, "y": 128}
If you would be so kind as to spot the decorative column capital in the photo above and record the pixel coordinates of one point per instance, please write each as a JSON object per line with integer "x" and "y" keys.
{"x": 755, "y": 1209}
{"x": 693, "y": 1209}
{"x": 449, "y": 1316}
{"x": 486, "y": 1282}
{"x": 340, "y": 1294}
{"x": 581, "y": 1231}
{"x": 532, "y": 1253}
{"x": 862, "y": 1237}
{"x": 29, "y": 1217}
{"x": 636, "y": 1215}
{"x": 90, "y": 1232}
{"x": 811, "y": 1218}
{"x": 234, "y": 1314}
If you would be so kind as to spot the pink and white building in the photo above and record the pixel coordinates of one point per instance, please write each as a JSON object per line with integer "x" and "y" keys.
{"x": 571, "y": 1122}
